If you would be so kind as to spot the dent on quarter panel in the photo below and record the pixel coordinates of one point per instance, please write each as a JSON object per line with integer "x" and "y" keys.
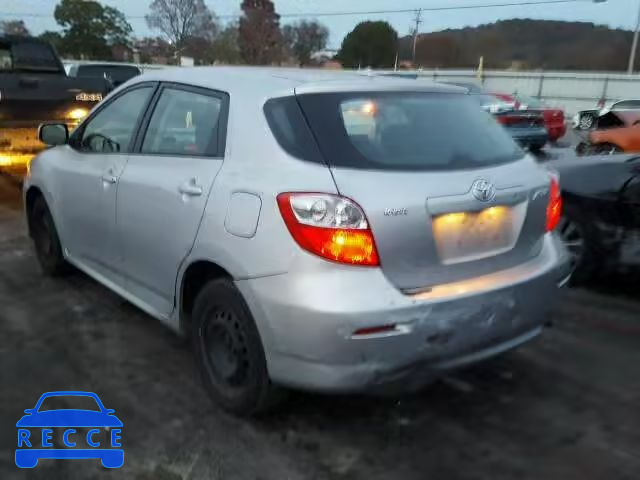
{"x": 243, "y": 214}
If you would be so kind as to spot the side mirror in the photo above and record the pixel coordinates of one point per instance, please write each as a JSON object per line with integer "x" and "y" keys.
{"x": 53, "y": 134}
{"x": 29, "y": 411}
{"x": 109, "y": 411}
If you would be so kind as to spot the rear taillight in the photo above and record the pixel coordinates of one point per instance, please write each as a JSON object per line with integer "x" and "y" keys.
{"x": 330, "y": 226}
{"x": 554, "y": 208}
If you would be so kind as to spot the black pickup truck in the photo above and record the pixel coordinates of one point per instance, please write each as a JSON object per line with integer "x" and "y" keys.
{"x": 34, "y": 88}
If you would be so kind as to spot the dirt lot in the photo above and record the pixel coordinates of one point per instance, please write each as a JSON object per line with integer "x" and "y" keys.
{"x": 565, "y": 407}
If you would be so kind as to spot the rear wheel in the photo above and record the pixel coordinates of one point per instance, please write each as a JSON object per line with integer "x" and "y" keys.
{"x": 606, "y": 149}
{"x": 46, "y": 240}
{"x": 583, "y": 245}
{"x": 229, "y": 351}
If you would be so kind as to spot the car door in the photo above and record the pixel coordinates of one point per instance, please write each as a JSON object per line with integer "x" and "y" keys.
{"x": 93, "y": 163}
{"x": 164, "y": 188}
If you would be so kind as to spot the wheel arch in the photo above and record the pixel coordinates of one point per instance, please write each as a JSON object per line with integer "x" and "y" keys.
{"x": 194, "y": 277}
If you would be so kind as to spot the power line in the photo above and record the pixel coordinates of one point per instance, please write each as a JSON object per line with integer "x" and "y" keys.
{"x": 338, "y": 14}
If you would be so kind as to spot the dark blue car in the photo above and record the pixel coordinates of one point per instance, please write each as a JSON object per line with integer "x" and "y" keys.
{"x": 32, "y": 447}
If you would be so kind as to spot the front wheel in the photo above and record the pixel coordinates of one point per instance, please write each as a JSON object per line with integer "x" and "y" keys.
{"x": 46, "y": 240}
{"x": 229, "y": 351}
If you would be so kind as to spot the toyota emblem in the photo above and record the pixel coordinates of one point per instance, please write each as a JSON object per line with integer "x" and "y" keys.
{"x": 483, "y": 190}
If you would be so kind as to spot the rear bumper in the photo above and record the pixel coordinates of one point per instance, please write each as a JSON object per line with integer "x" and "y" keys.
{"x": 307, "y": 322}
{"x": 556, "y": 132}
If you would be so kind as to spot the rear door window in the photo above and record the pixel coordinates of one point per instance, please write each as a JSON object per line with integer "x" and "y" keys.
{"x": 184, "y": 123}
{"x": 406, "y": 131}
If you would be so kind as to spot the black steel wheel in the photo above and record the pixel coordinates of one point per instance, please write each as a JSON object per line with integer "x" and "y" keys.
{"x": 229, "y": 351}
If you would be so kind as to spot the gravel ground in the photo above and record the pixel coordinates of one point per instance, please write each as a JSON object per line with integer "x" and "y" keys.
{"x": 563, "y": 407}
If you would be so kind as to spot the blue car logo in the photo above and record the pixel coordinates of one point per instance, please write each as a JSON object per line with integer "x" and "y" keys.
{"x": 92, "y": 432}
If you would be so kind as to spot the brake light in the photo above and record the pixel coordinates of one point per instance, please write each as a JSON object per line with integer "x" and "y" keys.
{"x": 554, "y": 208}
{"x": 329, "y": 226}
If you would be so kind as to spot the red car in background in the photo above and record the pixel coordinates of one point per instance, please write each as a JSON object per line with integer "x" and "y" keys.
{"x": 554, "y": 120}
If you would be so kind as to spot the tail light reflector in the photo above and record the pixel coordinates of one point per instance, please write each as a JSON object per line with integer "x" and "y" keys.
{"x": 329, "y": 226}
{"x": 554, "y": 208}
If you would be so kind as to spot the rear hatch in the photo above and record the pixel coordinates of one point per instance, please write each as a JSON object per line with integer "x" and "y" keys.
{"x": 448, "y": 194}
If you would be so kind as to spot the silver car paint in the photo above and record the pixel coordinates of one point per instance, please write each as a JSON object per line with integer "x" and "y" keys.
{"x": 305, "y": 308}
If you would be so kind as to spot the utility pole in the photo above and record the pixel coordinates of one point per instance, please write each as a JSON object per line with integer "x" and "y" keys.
{"x": 416, "y": 30}
{"x": 634, "y": 46}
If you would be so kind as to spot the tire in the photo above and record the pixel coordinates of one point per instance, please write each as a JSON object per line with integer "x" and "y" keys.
{"x": 607, "y": 149}
{"x": 587, "y": 258}
{"x": 229, "y": 352}
{"x": 536, "y": 147}
{"x": 582, "y": 149}
{"x": 46, "y": 241}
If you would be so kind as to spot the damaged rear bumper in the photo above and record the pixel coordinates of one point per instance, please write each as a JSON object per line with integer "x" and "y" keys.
{"x": 309, "y": 322}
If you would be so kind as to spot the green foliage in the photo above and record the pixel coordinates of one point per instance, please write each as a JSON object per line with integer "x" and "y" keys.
{"x": 225, "y": 47}
{"x": 91, "y": 29}
{"x": 524, "y": 43}
{"x": 304, "y": 38}
{"x": 14, "y": 27}
{"x": 370, "y": 44}
{"x": 54, "y": 38}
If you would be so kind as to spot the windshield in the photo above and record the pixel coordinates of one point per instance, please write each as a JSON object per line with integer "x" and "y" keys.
{"x": 116, "y": 73}
{"x": 33, "y": 56}
{"x": 69, "y": 402}
{"x": 406, "y": 131}
{"x": 530, "y": 102}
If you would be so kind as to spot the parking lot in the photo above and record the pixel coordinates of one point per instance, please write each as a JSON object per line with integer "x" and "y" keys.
{"x": 563, "y": 407}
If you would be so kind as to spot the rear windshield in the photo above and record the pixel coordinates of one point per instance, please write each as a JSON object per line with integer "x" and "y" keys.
{"x": 406, "y": 131}
{"x": 117, "y": 74}
{"x": 33, "y": 56}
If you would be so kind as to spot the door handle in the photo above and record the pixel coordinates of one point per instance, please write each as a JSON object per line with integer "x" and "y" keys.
{"x": 109, "y": 178}
{"x": 191, "y": 188}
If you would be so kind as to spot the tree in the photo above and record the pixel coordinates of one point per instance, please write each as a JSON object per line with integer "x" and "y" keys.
{"x": 54, "y": 38}
{"x": 259, "y": 37}
{"x": 154, "y": 50}
{"x": 14, "y": 27}
{"x": 91, "y": 29}
{"x": 370, "y": 44}
{"x": 181, "y": 20}
{"x": 225, "y": 47}
{"x": 304, "y": 38}
{"x": 438, "y": 50}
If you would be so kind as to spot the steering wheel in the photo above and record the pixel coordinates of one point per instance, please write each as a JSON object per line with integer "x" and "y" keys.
{"x": 96, "y": 142}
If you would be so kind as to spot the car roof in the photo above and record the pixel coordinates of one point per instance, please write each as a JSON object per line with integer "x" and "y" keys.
{"x": 272, "y": 81}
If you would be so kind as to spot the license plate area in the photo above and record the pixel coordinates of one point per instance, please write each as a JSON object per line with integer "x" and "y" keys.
{"x": 473, "y": 235}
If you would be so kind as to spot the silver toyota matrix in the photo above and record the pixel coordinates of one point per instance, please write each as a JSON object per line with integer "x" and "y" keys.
{"x": 333, "y": 232}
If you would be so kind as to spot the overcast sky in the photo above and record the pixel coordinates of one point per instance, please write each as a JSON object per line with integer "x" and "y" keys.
{"x": 615, "y": 13}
